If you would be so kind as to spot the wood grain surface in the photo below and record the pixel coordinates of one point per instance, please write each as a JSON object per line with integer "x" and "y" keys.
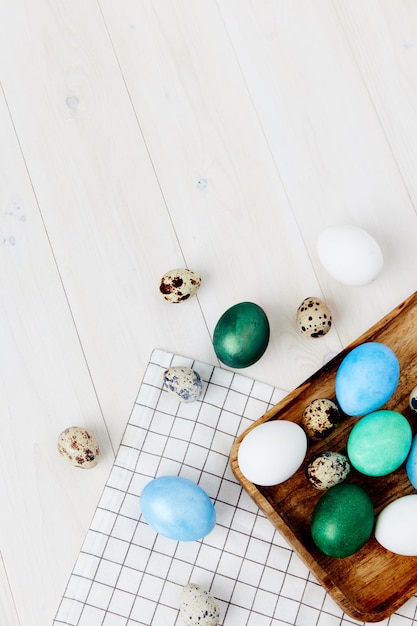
{"x": 138, "y": 136}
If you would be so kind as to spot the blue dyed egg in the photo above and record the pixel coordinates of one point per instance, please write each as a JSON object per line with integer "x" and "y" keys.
{"x": 411, "y": 464}
{"x": 379, "y": 443}
{"x": 177, "y": 508}
{"x": 366, "y": 378}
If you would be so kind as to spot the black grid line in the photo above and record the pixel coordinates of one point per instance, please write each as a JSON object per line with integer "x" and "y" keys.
{"x": 128, "y": 575}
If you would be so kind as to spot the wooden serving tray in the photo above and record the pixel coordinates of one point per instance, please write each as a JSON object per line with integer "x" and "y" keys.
{"x": 373, "y": 583}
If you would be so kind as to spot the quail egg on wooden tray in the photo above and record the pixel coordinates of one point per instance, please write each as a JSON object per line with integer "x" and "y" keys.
{"x": 372, "y": 573}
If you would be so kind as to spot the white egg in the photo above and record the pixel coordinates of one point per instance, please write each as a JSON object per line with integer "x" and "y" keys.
{"x": 395, "y": 527}
{"x": 350, "y": 254}
{"x": 272, "y": 452}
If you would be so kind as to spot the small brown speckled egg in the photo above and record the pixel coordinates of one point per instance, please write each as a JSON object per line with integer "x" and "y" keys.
{"x": 78, "y": 447}
{"x": 320, "y": 418}
{"x": 327, "y": 469}
{"x": 179, "y": 284}
{"x": 314, "y": 318}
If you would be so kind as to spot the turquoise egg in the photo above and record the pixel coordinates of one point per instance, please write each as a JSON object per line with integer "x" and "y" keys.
{"x": 379, "y": 443}
{"x": 366, "y": 378}
{"x": 177, "y": 508}
{"x": 241, "y": 335}
{"x": 411, "y": 464}
{"x": 342, "y": 520}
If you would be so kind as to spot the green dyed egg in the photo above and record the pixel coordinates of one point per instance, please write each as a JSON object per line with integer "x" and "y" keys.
{"x": 241, "y": 335}
{"x": 342, "y": 520}
{"x": 379, "y": 443}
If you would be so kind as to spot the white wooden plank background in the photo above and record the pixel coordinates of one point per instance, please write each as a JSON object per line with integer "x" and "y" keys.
{"x": 137, "y": 136}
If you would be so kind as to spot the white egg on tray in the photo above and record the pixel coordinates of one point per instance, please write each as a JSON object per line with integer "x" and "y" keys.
{"x": 396, "y": 524}
{"x": 272, "y": 452}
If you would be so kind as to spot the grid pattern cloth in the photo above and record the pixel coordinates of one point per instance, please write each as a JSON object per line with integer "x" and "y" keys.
{"x": 128, "y": 575}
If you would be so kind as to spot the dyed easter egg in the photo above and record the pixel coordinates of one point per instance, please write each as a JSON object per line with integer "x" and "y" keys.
{"x": 241, "y": 335}
{"x": 366, "y": 378}
{"x": 272, "y": 452}
{"x": 411, "y": 463}
{"x": 395, "y": 527}
{"x": 379, "y": 443}
{"x": 177, "y": 508}
{"x": 342, "y": 520}
{"x": 349, "y": 254}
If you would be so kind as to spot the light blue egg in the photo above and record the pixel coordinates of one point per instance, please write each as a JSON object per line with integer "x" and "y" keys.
{"x": 177, "y": 508}
{"x": 411, "y": 463}
{"x": 366, "y": 378}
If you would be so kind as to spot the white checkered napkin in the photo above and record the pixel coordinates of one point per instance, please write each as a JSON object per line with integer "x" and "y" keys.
{"x": 126, "y": 574}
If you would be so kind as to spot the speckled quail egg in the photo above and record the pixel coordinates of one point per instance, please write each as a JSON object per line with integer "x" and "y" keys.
{"x": 412, "y": 400}
{"x": 320, "y": 418}
{"x": 314, "y": 318}
{"x": 179, "y": 284}
{"x": 327, "y": 469}
{"x": 183, "y": 382}
{"x": 79, "y": 447}
{"x": 198, "y": 607}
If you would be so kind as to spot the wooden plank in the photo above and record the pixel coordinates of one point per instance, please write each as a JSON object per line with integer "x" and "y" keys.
{"x": 333, "y": 156}
{"x": 7, "y": 606}
{"x": 214, "y": 165}
{"x": 383, "y": 39}
{"x": 156, "y": 135}
{"x": 45, "y": 386}
{"x": 101, "y": 203}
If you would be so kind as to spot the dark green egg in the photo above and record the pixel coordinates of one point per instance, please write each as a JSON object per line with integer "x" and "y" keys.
{"x": 342, "y": 520}
{"x": 241, "y": 335}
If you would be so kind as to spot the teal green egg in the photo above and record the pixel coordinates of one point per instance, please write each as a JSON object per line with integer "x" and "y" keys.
{"x": 342, "y": 520}
{"x": 241, "y": 335}
{"x": 379, "y": 443}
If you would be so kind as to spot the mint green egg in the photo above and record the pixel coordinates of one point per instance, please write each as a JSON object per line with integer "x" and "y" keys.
{"x": 342, "y": 520}
{"x": 241, "y": 335}
{"x": 379, "y": 443}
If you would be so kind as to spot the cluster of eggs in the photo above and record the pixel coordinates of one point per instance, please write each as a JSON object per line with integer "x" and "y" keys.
{"x": 241, "y": 336}
{"x": 348, "y": 253}
{"x": 378, "y": 444}
{"x": 179, "y": 508}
